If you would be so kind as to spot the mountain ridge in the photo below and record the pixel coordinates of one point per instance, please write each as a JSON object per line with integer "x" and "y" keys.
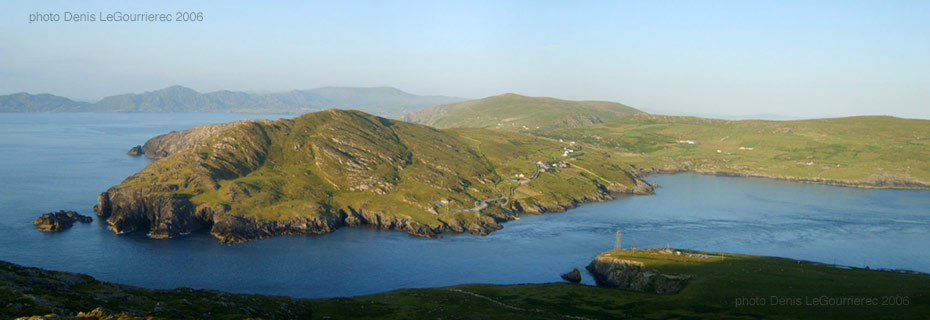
{"x": 383, "y": 101}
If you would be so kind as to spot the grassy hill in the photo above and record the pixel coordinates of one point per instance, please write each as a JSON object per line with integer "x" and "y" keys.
{"x": 520, "y": 113}
{"x": 869, "y": 151}
{"x": 328, "y": 169}
{"x": 724, "y": 286}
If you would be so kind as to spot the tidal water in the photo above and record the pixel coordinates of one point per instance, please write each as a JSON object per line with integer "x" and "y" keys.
{"x": 62, "y": 161}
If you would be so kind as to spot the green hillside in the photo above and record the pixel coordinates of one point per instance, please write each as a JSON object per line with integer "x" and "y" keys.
{"x": 724, "y": 286}
{"x": 872, "y": 151}
{"x": 520, "y": 113}
{"x": 327, "y": 169}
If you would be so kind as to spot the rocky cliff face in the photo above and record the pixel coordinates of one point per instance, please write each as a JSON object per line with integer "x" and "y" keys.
{"x": 633, "y": 275}
{"x": 251, "y": 180}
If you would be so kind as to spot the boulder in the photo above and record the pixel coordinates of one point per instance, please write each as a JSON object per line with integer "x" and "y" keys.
{"x": 572, "y": 276}
{"x": 135, "y": 151}
{"x": 59, "y": 220}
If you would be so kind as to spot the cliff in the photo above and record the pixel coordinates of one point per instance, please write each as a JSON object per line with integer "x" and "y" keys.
{"x": 633, "y": 275}
{"x": 250, "y": 180}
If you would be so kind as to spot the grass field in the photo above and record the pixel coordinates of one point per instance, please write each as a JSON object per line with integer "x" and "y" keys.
{"x": 725, "y": 286}
{"x": 872, "y": 151}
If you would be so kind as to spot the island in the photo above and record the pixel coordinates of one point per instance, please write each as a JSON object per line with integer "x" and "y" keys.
{"x": 325, "y": 170}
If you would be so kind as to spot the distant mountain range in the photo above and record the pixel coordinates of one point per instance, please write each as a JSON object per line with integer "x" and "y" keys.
{"x": 516, "y": 112}
{"x": 382, "y": 101}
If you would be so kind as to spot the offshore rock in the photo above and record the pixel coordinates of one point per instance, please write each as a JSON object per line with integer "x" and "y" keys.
{"x": 59, "y": 220}
{"x": 572, "y": 276}
{"x": 135, "y": 151}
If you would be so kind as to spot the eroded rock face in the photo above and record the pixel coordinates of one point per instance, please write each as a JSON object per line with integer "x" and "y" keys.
{"x": 59, "y": 220}
{"x": 633, "y": 275}
{"x": 165, "y": 215}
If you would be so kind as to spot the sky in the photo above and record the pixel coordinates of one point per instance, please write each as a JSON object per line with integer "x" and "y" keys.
{"x": 794, "y": 59}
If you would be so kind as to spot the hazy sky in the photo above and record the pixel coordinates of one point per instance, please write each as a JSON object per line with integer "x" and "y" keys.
{"x": 802, "y": 59}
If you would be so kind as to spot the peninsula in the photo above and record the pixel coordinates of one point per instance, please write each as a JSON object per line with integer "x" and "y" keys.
{"x": 324, "y": 170}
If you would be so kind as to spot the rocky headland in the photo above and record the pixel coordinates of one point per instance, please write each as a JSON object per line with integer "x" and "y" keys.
{"x": 256, "y": 179}
{"x": 634, "y": 275}
{"x": 59, "y": 220}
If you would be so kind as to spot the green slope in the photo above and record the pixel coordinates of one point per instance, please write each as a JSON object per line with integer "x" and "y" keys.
{"x": 334, "y": 167}
{"x": 521, "y": 113}
{"x": 719, "y": 283}
{"x": 869, "y": 151}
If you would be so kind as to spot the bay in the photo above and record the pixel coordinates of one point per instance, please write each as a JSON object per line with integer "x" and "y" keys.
{"x": 62, "y": 161}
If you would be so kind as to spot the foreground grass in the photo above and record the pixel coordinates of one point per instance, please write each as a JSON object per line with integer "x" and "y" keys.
{"x": 723, "y": 287}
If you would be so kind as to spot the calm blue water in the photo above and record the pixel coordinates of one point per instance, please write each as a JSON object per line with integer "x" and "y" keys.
{"x": 62, "y": 161}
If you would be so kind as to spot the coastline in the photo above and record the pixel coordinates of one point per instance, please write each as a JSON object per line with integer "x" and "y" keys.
{"x": 862, "y": 184}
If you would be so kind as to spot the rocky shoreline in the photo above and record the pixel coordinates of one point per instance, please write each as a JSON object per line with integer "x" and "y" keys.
{"x": 165, "y": 215}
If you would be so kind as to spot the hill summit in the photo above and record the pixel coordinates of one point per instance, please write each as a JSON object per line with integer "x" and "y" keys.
{"x": 517, "y": 112}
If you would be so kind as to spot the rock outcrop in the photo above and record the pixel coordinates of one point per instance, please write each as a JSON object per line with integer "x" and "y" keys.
{"x": 572, "y": 276}
{"x": 135, "y": 151}
{"x": 59, "y": 220}
{"x": 633, "y": 275}
{"x": 167, "y": 144}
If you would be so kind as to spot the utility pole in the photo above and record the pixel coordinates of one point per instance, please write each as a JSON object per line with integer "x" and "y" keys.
{"x": 617, "y": 244}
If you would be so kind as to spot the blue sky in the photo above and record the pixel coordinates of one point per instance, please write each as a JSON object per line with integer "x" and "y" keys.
{"x": 798, "y": 59}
